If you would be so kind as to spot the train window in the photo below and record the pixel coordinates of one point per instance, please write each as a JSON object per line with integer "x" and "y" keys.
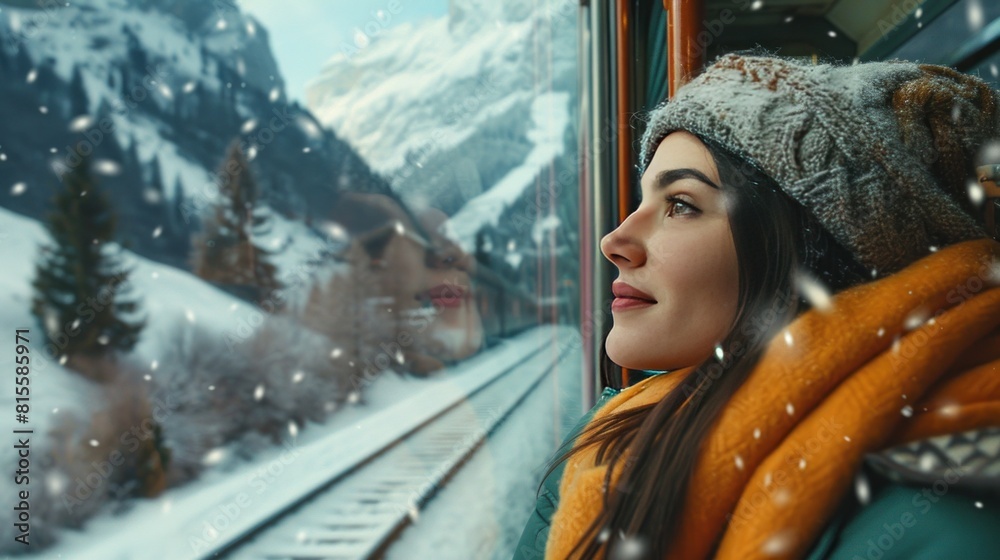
{"x": 288, "y": 280}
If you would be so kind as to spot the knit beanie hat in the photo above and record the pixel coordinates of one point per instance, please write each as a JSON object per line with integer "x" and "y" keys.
{"x": 882, "y": 153}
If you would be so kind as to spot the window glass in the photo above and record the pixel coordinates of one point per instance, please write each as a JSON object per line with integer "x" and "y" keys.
{"x": 291, "y": 278}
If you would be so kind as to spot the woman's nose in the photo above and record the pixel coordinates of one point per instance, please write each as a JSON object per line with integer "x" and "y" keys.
{"x": 621, "y": 247}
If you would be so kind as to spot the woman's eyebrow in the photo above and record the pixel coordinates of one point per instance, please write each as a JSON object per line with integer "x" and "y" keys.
{"x": 665, "y": 178}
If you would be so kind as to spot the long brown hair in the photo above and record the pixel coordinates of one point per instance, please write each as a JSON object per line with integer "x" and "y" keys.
{"x": 776, "y": 240}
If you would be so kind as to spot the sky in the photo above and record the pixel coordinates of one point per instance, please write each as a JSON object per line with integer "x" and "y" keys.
{"x": 304, "y": 34}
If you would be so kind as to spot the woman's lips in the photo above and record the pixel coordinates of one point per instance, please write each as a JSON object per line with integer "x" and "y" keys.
{"x": 623, "y": 303}
{"x": 445, "y": 295}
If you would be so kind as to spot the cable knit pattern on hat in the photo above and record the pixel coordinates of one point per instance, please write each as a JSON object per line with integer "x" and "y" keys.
{"x": 879, "y": 152}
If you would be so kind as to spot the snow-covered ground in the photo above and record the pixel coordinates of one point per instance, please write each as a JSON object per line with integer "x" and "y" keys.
{"x": 185, "y": 521}
{"x": 169, "y": 296}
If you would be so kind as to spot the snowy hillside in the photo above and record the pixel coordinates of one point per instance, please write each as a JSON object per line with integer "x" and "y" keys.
{"x": 154, "y": 92}
{"x": 447, "y": 109}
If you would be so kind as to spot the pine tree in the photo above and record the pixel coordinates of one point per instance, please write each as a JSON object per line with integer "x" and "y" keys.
{"x": 80, "y": 286}
{"x": 226, "y": 252}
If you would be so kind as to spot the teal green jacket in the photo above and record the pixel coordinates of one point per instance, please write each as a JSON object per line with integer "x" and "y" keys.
{"x": 901, "y": 521}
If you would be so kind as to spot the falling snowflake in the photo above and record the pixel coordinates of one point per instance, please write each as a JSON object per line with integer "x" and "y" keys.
{"x": 167, "y": 504}
{"x": 251, "y": 29}
{"x": 189, "y": 87}
{"x": 353, "y": 397}
{"x": 978, "y": 504}
{"x": 739, "y": 462}
{"x": 258, "y": 392}
{"x": 62, "y": 359}
{"x": 166, "y": 91}
{"x": 32, "y": 75}
{"x": 107, "y": 167}
{"x": 80, "y": 123}
{"x": 802, "y": 464}
{"x": 916, "y": 318}
{"x": 719, "y": 353}
{"x": 306, "y": 150}
{"x": 221, "y": 24}
{"x": 297, "y": 377}
{"x": 788, "y": 337}
{"x": 335, "y": 353}
{"x": 974, "y": 15}
{"x": 43, "y": 110}
{"x": 18, "y": 189}
{"x": 906, "y": 411}
{"x": 757, "y": 4}
{"x": 861, "y": 488}
{"x": 975, "y": 192}
{"x": 293, "y": 429}
{"x": 274, "y": 95}
{"x": 847, "y": 438}
{"x": 214, "y": 457}
{"x": 831, "y": 33}
{"x": 950, "y": 410}
{"x": 782, "y": 496}
{"x": 756, "y": 433}
{"x": 413, "y": 513}
{"x": 248, "y": 126}
{"x": 157, "y": 232}
{"x": 190, "y": 315}
{"x": 779, "y": 544}
{"x": 881, "y": 332}
{"x": 103, "y": 340}
{"x": 55, "y": 482}
{"x": 94, "y": 443}
{"x": 790, "y": 409}
{"x": 933, "y": 248}
{"x": 630, "y": 547}
{"x": 147, "y": 377}
{"x": 814, "y": 291}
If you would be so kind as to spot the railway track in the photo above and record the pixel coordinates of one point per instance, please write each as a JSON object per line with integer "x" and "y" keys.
{"x": 359, "y": 515}
{"x": 347, "y": 495}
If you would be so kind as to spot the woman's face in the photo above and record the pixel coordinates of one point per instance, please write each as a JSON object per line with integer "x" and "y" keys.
{"x": 677, "y": 248}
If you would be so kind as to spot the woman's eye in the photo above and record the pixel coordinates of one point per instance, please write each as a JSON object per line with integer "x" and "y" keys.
{"x": 678, "y": 207}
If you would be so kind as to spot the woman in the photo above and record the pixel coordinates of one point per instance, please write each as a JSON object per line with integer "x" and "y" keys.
{"x": 809, "y": 271}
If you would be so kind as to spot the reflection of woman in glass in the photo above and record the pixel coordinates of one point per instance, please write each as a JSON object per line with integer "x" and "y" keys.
{"x": 457, "y": 330}
{"x": 808, "y": 285}
{"x": 422, "y": 278}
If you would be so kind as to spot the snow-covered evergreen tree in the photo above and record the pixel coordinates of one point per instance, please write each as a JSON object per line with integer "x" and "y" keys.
{"x": 80, "y": 284}
{"x": 226, "y": 252}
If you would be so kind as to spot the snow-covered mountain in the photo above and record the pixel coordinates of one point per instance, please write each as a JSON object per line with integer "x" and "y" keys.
{"x": 154, "y": 91}
{"x": 450, "y": 109}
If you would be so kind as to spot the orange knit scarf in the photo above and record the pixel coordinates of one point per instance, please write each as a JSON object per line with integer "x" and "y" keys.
{"x": 911, "y": 356}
